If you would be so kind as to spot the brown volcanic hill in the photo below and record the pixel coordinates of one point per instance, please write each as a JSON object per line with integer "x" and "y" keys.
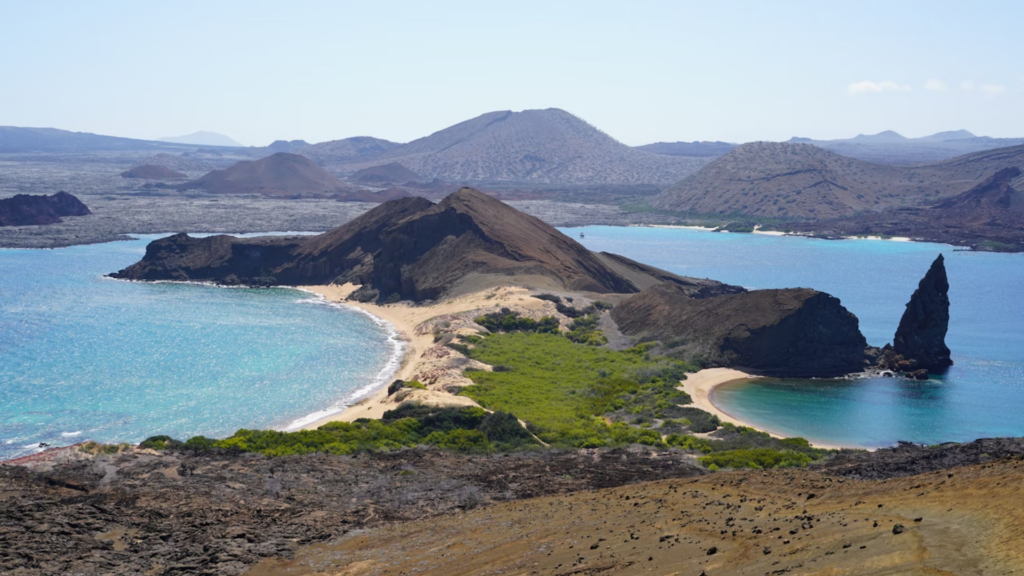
{"x": 152, "y": 172}
{"x": 26, "y": 210}
{"x": 804, "y": 182}
{"x": 385, "y": 175}
{"x": 531, "y": 147}
{"x": 792, "y": 332}
{"x": 280, "y": 174}
{"x": 347, "y": 150}
{"x": 414, "y": 249}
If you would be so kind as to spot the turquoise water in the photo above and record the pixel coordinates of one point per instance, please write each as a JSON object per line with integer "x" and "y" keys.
{"x": 982, "y": 395}
{"x": 84, "y": 357}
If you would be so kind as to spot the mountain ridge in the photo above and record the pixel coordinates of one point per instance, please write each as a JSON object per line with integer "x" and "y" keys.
{"x": 548, "y": 146}
{"x": 798, "y": 181}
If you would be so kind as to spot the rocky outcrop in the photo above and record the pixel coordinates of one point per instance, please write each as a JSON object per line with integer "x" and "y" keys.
{"x": 153, "y": 172}
{"x": 921, "y": 336}
{"x": 26, "y": 210}
{"x": 795, "y": 332}
{"x": 412, "y": 249}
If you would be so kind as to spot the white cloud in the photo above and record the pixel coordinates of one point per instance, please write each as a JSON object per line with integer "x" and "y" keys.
{"x": 869, "y": 87}
{"x": 935, "y": 85}
{"x": 992, "y": 90}
{"x": 989, "y": 90}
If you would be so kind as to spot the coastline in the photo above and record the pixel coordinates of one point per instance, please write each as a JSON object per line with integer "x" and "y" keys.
{"x": 432, "y": 363}
{"x": 420, "y": 356}
{"x": 701, "y": 384}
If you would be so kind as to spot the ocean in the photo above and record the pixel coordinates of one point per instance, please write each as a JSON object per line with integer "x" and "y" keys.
{"x": 83, "y": 357}
{"x": 982, "y": 395}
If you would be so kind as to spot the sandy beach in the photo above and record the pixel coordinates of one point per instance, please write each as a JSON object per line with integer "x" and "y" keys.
{"x": 433, "y": 364}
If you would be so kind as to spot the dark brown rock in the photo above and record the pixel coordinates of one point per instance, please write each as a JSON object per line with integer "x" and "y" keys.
{"x": 921, "y": 335}
{"x": 792, "y": 332}
{"x": 26, "y": 210}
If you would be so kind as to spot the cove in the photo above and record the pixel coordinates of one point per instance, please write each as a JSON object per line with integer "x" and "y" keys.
{"x": 83, "y": 357}
{"x": 982, "y": 395}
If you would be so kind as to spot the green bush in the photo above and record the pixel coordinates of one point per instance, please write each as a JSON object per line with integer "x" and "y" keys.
{"x": 509, "y": 321}
{"x": 460, "y": 440}
{"x": 161, "y": 442}
{"x": 504, "y": 431}
{"x": 756, "y": 458}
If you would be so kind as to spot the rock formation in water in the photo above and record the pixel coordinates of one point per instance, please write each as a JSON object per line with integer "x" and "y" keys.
{"x": 921, "y": 336}
{"x": 26, "y": 210}
{"x": 153, "y": 172}
{"x": 795, "y": 332}
{"x": 413, "y": 249}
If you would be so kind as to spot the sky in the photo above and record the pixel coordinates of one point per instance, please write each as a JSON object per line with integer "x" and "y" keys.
{"x": 641, "y": 71}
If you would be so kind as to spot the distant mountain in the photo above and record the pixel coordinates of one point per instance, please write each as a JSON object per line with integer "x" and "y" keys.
{"x": 280, "y": 174}
{"x": 153, "y": 172}
{"x": 385, "y": 175}
{"x": 805, "y": 182}
{"x": 348, "y": 150}
{"x": 945, "y": 136}
{"x": 530, "y": 147}
{"x": 26, "y": 210}
{"x": 891, "y": 148}
{"x": 887, "y": 136}
{"x": 178, "y": 163}
{"x": 287, "y": 146}
{"x": 202, "y": 138}
{"x": 693, "y": 149}
{"x": 14, "y": 139}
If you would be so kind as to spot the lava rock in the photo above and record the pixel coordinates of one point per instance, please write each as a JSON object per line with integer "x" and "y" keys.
{"x": 27, "y": 210}
{"x": 921, "y": 335}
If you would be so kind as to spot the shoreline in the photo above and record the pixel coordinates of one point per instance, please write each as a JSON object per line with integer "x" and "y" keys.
{"x": 700, "y": 386}
{"x": 422, "y": 358}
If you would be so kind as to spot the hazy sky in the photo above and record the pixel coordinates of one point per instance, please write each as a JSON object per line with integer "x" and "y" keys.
{"x": 640, "y": 71}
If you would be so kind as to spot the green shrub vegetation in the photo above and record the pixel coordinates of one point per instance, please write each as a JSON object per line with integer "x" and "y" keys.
{"x": 562, "y": 389}
{"x": 469, "y": 429}
{"x": 755, "y": 458}
{"x": 509, "y": 321}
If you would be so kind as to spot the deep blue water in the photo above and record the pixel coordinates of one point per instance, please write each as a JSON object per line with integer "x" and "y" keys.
{"x": 84, "y": 357}
{"x": 981, "y": 396}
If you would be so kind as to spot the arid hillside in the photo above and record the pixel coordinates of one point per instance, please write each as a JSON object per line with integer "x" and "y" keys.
{"x": 958, "y": 521}
{"x": 804, "y": 182}
{"x": 532, "y": 147}
{"x": 280, "y": 174}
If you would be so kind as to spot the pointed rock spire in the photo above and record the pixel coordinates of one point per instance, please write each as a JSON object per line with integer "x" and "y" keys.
{"x": 921, "y": 336}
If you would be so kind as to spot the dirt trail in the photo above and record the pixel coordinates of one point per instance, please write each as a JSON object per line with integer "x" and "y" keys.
{"x": 968, "y": 520}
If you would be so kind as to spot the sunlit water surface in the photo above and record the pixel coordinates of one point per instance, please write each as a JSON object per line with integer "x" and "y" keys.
{"x": 85, "y": 357}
